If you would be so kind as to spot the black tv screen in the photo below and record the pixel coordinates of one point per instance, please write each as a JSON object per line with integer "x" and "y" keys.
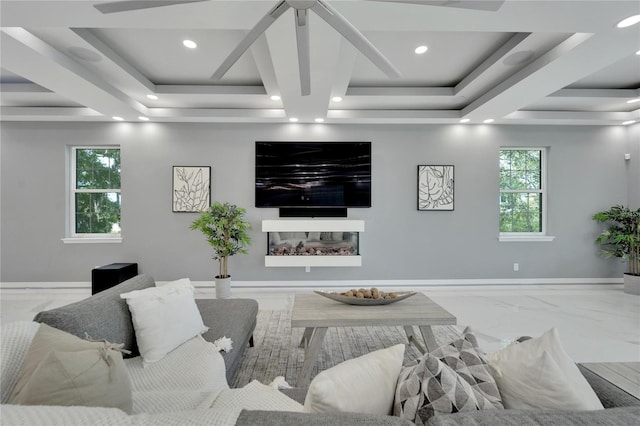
{"x": 313, "y": 174}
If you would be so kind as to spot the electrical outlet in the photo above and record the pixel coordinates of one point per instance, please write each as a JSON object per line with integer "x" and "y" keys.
{"x": 516, "y": 267}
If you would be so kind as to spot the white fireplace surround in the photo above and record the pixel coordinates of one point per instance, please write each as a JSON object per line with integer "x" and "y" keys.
{"x": 305, "y": 225}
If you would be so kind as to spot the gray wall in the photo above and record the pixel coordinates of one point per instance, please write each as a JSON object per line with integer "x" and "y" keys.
{"x": 633, "y": 166}
{"x": 587, "y": 172}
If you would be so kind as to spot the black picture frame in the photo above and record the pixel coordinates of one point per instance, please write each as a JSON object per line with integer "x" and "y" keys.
{"x": 191, "y": 189}
{"x": 436, "y": 187}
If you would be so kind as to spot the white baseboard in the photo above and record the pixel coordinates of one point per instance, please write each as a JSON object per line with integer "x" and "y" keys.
{"x": 265, "y": 285}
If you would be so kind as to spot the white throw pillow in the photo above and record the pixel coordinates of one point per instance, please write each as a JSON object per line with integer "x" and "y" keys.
{"x": 366, "y": 384}
{"x": 538, "y": 373}
{"x": 164, "y": 318}
{"x": 62, "y": 369}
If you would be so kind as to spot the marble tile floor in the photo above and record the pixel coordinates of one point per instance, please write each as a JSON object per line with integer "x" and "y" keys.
{"x": 597, "y": 323}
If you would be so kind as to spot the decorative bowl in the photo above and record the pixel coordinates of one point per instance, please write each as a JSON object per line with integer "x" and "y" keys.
{"x": 350, "y": 300}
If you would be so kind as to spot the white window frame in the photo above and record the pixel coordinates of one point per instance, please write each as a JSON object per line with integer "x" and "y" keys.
{"x": 72, "y": 236}
{"x": 528, "y": 236}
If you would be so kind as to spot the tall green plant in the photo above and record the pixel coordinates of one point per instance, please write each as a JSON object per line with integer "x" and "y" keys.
{"x": 622, "y": 236}
{"x": 226, "y": 231}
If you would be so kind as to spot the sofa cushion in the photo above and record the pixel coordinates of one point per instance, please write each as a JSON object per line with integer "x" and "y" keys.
{"x": 233, "y": 318}
{"x": 283, "y": 418}
{"x": 364, "y": 385}
{"x": 538, "y": 374}
{"x": 62, "y": 369}
{"x": 102, "y": 316}
{"x": 164, "y": 318}
{"x": 622, "y": 416}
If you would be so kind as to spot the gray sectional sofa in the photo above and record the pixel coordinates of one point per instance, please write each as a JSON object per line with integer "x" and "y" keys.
{"x": 106, "y": 316}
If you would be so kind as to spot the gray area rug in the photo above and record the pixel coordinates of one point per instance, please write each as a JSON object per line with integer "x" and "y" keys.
{"x": 276, "y": 351}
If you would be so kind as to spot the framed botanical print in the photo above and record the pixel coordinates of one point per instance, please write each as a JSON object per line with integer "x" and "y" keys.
{"x": 191, "y": 189}
{"x": 435, "y": 187}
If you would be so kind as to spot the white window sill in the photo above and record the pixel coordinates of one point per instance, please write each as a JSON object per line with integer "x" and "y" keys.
{"x": 525, "y": 238}
{"x": 92, "y": 240}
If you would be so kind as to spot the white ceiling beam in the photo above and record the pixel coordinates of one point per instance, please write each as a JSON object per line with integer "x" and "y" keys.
{"x": 344, "y": 69}
{"x": 28, "y": 56}
{"x": 262, "y": 57}
{"x": 568, "y": 62}
{"x": 392, "y": 116}
{"x": 439, "y": 92}
{"x": 11, "y": 113}
{"x": 23, "y": 88}
{"x": 212, "y": 90}
{"x": 476, "y": 79}
{"x": 569, "y": 117}
{"x": 109, "y": 54}
{"x": 325, "y": 48}
{"x": 218, "y": 115}
{"x": 596, "y": 93}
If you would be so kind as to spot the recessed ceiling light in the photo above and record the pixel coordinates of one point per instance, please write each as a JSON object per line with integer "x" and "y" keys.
{"x": 319, "y": 120}
{"x": 627, "y": 22}
{"x": 154, "y": 97}
{"x": 275, "y": 98}
{"x": 626, "y": 123}
{"x": 420, "y": 49}
{"x": 488, "y": 120}
{"x": 115, "y": 117}
{"x": 293, "y": 119}
{"x": 143, "y": 118}
{"x": 336, "y": 99}
{"x": 465, "y": 120}
{"x": 633, "y": 101}
{"x": 190, "y": 44}
{"x": 638, "y": 53}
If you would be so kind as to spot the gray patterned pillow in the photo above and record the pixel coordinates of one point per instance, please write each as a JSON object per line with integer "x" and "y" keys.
{"x": 451, "y": 379}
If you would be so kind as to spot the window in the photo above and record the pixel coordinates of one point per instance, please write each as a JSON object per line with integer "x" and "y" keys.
{"x": 522, "y": 193}
{"x": 95, "y": 192}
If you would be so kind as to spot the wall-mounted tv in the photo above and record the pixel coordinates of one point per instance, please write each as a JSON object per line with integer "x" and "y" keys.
{"x": 313, "y": 174}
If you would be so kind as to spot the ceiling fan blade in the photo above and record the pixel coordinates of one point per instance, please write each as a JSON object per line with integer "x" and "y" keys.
{"x": 124, "y": 6}
{"x": 355, "y": 37}
{"x": 491, "y": 5}
{"x": 248, "y": 40}
{"x": 302, "y": 39}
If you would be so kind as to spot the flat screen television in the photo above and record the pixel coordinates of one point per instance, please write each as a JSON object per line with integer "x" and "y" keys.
{"x": 313, "y": 174}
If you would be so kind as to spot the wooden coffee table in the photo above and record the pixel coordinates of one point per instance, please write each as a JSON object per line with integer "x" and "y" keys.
{"x": 625, "y": 375}
{"x": 317, "y": 313}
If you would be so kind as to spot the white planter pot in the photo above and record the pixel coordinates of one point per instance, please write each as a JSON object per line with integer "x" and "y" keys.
{"x": 632, "y": 284}
{"x": 223, "y": 288}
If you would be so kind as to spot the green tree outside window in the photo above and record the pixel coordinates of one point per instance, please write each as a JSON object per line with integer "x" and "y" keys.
{"x": 96, "y": 189}
{"x": 521, "y": 190}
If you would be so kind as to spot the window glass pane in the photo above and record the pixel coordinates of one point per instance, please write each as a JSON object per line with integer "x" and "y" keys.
{"x": 98, "y": 213}
{"x": 97, "y": 168}
{"x": 521, "y": 212}
{"x": 520, "y": 169}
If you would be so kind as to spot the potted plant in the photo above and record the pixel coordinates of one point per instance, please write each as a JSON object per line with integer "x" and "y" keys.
{"x": 622, "y": 239}
{"x": 224, "y": 227}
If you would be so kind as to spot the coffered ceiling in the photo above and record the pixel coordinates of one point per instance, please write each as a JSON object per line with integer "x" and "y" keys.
{"x": 529, "y": 62}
